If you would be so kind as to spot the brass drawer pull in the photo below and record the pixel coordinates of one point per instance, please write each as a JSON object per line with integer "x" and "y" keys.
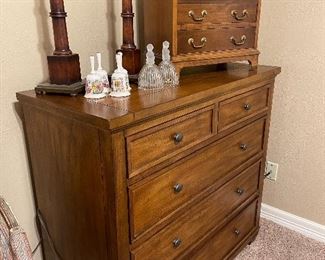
{"x": 234, "y": 14}
{"x": 203, "y": 41}
{"x": 240, "y": 191}
{"x": 237, "y": 232}
{"x": 247, "y": 107}
{"x": 243, "y": 147}
{"x": 241, "y": 42}
{"x": 178, "y": 188}
{"x": 178, "y": 137}
{"x": 177, "y": 242}
{"x": 198, "y": 19}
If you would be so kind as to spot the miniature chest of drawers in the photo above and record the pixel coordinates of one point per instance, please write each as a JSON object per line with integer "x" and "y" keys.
{"x": 203, "y": 31}
{"x": 174, "y": 174}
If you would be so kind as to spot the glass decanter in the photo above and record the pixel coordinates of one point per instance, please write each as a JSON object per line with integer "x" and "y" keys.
{"x": 150, "y": 77}
{"x": 167, "y": 68}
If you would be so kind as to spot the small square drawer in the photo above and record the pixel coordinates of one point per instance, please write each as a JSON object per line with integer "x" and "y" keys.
{"x": 219, "y": 246}
{"x": 242, "y": 107}
{"x": 152, "y": 146}
{"x": 200, "y": 219}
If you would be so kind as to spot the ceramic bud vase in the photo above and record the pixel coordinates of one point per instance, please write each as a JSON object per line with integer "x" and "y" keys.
{"x": 167, "y": 68}
{"x": 102, "y": 74}
{"x": 120, "y": 79}
{"x": 94, "y": 86}
{"x": 150, "y": 77}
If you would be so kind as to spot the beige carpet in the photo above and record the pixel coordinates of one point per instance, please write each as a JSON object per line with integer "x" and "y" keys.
{"x": 275, "y": 242}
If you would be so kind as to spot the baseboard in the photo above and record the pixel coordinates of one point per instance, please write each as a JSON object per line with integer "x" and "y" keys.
{"x": 293, "y": 222}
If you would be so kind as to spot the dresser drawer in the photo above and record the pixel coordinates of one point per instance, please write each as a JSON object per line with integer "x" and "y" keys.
{"x": 219, "y": 246}
{"x": 173, "y": 188}
{"x": 157, "y": 143}
{"x": 217, "y": 12}
{"x": 200, "y": 219}
{"x": 225, "y": 38}
{"x": 242, "y": 107}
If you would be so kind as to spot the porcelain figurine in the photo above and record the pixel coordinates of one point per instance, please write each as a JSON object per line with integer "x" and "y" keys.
{"x": 94, "y": 86}
{"x": 102, "y": 74}
{"x": 120, "y": 79}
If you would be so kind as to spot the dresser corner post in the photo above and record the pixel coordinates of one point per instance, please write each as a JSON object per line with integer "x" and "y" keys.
{"x": 114, "y": 170}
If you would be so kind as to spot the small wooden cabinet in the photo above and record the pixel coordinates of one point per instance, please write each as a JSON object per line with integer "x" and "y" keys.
{"x": 174, "y": 174}
{"x": 203, "y": 32}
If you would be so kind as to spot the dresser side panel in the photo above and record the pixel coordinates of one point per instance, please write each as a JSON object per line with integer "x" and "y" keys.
{"x": 68, "y": 184}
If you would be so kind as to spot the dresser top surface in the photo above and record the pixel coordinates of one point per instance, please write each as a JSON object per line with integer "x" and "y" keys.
{"x": 113, "y": 113}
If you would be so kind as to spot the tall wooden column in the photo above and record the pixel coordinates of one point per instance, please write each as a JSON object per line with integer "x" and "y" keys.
{"x": 64, "y": 66}
{"x": 131, "y": 55}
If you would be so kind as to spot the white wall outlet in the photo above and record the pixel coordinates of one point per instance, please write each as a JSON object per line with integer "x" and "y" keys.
{"x": 271, "y": 170}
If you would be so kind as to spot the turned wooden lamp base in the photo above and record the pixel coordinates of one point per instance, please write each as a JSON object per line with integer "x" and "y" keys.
{"x": 131, "y": 62}
{"x": 65, "y": 77}
{"x": 64, "y": 69}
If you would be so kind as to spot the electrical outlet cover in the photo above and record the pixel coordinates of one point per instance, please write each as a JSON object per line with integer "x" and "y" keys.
{"x": 273, "y": 168}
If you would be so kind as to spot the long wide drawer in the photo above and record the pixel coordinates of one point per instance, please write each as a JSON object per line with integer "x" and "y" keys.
{"x": 155, "y": 199}
{"x": 196, "y": 222}
{"x": 226, "y": 38}
{"x": 157, "y": 143}
{"x": 234, "y": 12}
{"x": 220, "y": 245}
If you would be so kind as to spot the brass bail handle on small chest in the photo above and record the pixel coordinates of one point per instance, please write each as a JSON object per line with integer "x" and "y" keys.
{"x": 238, "y": 17}
{"x": 238, "y": 43}
{"x": 192, "y": 43}
{"x": 204, "y": 13}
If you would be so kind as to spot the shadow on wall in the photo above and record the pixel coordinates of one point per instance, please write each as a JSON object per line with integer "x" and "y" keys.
{"x": 112, "y": 35}
{"x": 45, "y": 46}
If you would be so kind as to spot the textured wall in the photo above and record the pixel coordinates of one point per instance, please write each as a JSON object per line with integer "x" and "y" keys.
{"x": 293, "y": 36}
{"x": 26, "y": 39}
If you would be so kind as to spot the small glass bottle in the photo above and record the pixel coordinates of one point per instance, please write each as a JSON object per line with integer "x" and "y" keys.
{"x": 150, "y": 77}
{"x": 103, "y": 74}
{"x": 167, "y": 68}
{"x": 94, "y": 86}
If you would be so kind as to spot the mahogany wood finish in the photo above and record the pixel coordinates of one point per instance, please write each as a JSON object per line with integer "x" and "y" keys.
{"x": 194, "y": 191}
{"x": 64, "y": 66}
{"x": 204, "y": 32}
{"x": 131, "y": 55}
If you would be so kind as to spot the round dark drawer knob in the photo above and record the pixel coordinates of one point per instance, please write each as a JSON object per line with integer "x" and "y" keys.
{"x": 237, "y": 232}
{"x": 247, "y": 107}
{"x": 177, "y": 242}
{"x": 240, "y": 191}
{"x": 243, "y": 147}
{"x": 178, "y": 137}
{"x": 178, "y": 188}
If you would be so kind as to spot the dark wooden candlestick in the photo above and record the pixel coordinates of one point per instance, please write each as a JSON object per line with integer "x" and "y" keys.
{"x": 131, "y": 55}
{"x": 64, "y": 66}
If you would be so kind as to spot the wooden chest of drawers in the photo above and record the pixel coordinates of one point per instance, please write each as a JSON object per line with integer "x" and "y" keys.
{"x": 175, "y": 174}
{"x": 203, "y": 31}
